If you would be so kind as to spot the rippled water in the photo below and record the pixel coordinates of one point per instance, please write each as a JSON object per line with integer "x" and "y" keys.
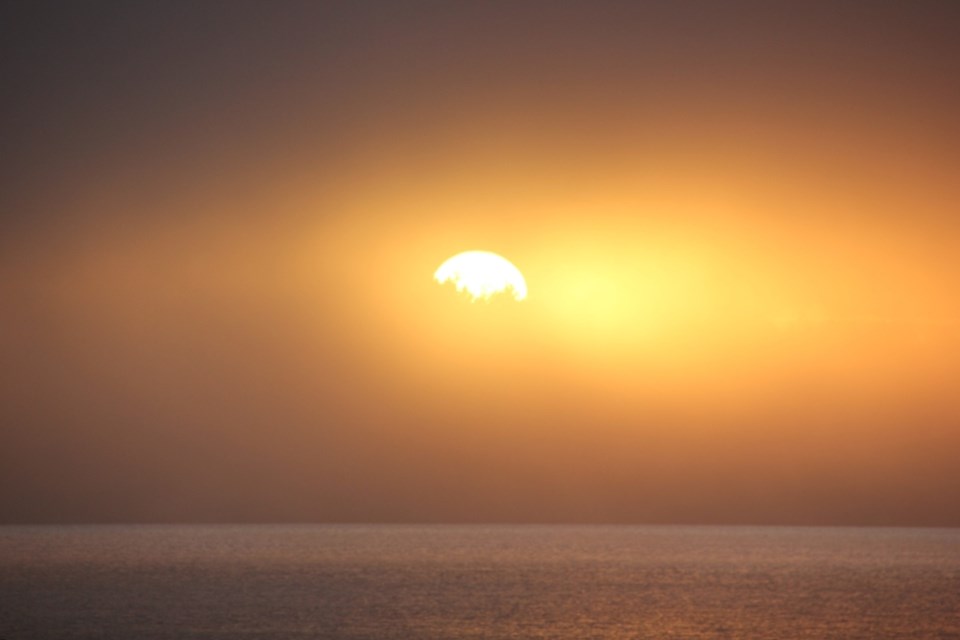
{"x": 147, "y": 582}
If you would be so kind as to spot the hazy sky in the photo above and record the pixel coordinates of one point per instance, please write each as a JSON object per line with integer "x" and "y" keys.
{"x": 738, "y": 222}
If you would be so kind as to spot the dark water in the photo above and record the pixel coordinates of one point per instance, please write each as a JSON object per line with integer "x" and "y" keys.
{"x": 144, "y": 582}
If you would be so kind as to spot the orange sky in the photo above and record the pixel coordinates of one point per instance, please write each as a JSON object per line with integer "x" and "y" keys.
{"x": 738, "y": 228}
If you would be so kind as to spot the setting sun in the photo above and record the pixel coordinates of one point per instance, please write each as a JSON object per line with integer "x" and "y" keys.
{"x": 482, "y": 274}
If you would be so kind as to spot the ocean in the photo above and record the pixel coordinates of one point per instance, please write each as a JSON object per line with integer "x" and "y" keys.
{"x": 375, "y": 582}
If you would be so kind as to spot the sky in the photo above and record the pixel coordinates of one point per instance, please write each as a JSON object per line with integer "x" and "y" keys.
{"x": 738, "y": 223}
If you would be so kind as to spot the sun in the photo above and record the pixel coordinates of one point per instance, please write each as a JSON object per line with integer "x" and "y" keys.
{"x": 482, "y": 274}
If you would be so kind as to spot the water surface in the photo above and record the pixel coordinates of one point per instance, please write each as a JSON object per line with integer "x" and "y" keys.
{"x": 375, "y": 582}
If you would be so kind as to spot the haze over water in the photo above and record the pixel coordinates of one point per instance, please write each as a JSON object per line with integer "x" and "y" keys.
{"x": 737, "y": 222}
{"x": 437, "y": 582}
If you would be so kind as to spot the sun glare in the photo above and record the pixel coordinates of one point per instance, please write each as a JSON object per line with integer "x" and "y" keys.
{"x": 482, "y": 274}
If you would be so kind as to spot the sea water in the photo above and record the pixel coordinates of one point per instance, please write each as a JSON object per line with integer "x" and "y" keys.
{"x": 383, "y": 582}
